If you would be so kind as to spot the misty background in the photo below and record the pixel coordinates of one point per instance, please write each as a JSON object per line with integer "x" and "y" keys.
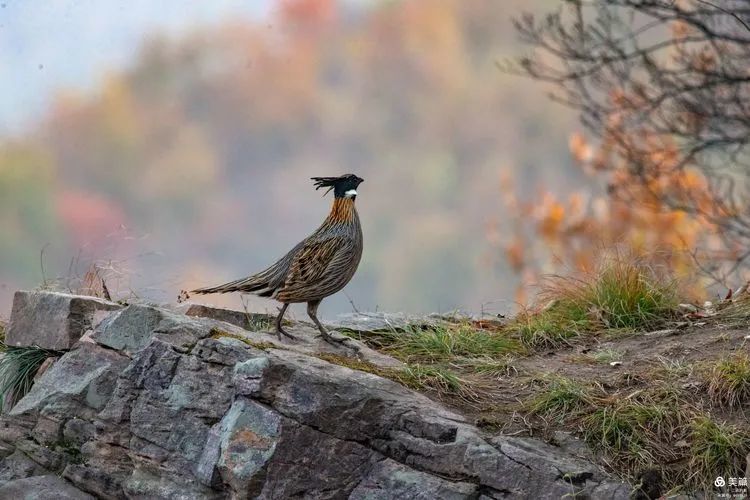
{"x": 172, "y": 143}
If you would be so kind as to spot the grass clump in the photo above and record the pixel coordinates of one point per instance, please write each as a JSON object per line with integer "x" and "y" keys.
{"x": 717, "y": 449}
{"x": 606, "y": 356}
{"x": 18, "y": 365}
{"x": 498, "y": 368}
{"x": 621, "y": 294}
{"x": 729, "y": 381}
{"x": 734, "y": 313}
{"x": 671, "y": 370}
{"x": 624, "y": 426}
{"x": 648, "y": 430}
{"x": 436, "y": 378}
{"x": 630, "y": 295}
{"x": 639, "y": 431}
{"x": 442, "y": 343}
{"x": 561, "y": 399}
{"x": 453, "y": 359}
{"x": 601, "y": 356}
{"x": 445, "y": 342}
{"x": 552, "y": 326}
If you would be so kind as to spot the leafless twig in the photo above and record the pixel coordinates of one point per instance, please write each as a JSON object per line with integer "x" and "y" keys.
{"x": 665, "y": 88}
{"x": 354, "y": 307}
{"x": 725, "y": 11}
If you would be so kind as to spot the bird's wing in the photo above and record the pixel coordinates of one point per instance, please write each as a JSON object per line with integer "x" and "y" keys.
{"x": 312, "y": 261}
{"x": 320, "y": 269}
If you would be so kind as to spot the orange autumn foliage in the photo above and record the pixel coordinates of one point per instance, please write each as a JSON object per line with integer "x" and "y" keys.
{"x": 556, "y": 233}
{"x": 662, "y": 89}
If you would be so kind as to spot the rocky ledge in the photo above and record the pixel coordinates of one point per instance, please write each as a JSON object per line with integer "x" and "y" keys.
{"x": 200, "y": 403}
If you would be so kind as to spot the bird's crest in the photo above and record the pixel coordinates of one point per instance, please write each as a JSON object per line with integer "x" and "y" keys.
{"x": 337, "y": 183}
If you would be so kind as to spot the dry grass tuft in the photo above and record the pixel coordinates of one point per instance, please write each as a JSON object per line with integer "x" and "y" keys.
{"x": 623, "y": 294}
{"x": 638, "y": 431}
{"x": 658, "y": 430}
{"x": 717, "y": 449}
{"x": 561, "y": 399}
{"x": 729, "y": 381}
{"x": 442, "y": 343}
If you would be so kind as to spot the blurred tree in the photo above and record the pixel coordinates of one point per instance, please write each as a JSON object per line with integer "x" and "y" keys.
{"x": 664, "y": 86}
{"x": 27, "y": 211}
{"x": 201, "y": 147}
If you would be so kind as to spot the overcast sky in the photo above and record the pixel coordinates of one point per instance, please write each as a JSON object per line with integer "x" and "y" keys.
{"x": 51, "y": 44}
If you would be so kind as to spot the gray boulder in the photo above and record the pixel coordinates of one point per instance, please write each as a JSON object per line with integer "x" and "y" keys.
{"x": 53, "y": 320}
{"x": 378, "y": 322}
{"x": 42, "y": 488}
{"x": 390, "y": 479}
{"x": 164, "y": 405}
{"x": 245, "y": 320}
{"x": 82, "y": 379}
{"x": 17, "y": 466}
{"x": 132, "y": 328}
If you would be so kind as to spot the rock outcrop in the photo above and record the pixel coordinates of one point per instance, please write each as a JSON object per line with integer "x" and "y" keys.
{"x": 153, "y": 403}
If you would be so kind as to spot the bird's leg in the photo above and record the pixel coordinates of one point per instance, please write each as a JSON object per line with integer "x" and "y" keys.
{"x": 312, "y": 311}
{"x": 279, "y": 319}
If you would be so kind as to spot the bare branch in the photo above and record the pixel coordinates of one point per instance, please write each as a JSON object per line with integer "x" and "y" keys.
{"x": 665, "y": 88}
{"x": 734, "y": 15}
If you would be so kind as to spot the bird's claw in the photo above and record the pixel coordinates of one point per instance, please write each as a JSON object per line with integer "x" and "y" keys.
{"x": 333, "y": 340}
{"x": 281, "y": 331}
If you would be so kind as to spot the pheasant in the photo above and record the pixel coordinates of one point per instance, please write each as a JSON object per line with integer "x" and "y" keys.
{"x": 317, "y": 267}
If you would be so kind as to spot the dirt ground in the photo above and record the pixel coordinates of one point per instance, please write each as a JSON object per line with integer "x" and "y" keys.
{"x": 632, "y": 362}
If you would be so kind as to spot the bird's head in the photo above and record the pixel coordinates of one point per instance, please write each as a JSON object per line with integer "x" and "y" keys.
{"x": 343, "y": 187}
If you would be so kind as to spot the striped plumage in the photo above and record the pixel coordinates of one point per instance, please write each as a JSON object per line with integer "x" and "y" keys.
{"x": 317, "y": 267}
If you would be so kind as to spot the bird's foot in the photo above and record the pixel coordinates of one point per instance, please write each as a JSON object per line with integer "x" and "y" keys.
{"x": 280, "y": 331}
{"x": 331, "y": 339}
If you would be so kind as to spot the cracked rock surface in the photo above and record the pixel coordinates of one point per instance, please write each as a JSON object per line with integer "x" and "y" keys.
{"x": 159, "y": 404}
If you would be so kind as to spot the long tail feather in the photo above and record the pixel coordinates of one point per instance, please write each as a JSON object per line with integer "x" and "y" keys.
{"x": 250, "y": 285}
{"x": 263, "y": 284}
